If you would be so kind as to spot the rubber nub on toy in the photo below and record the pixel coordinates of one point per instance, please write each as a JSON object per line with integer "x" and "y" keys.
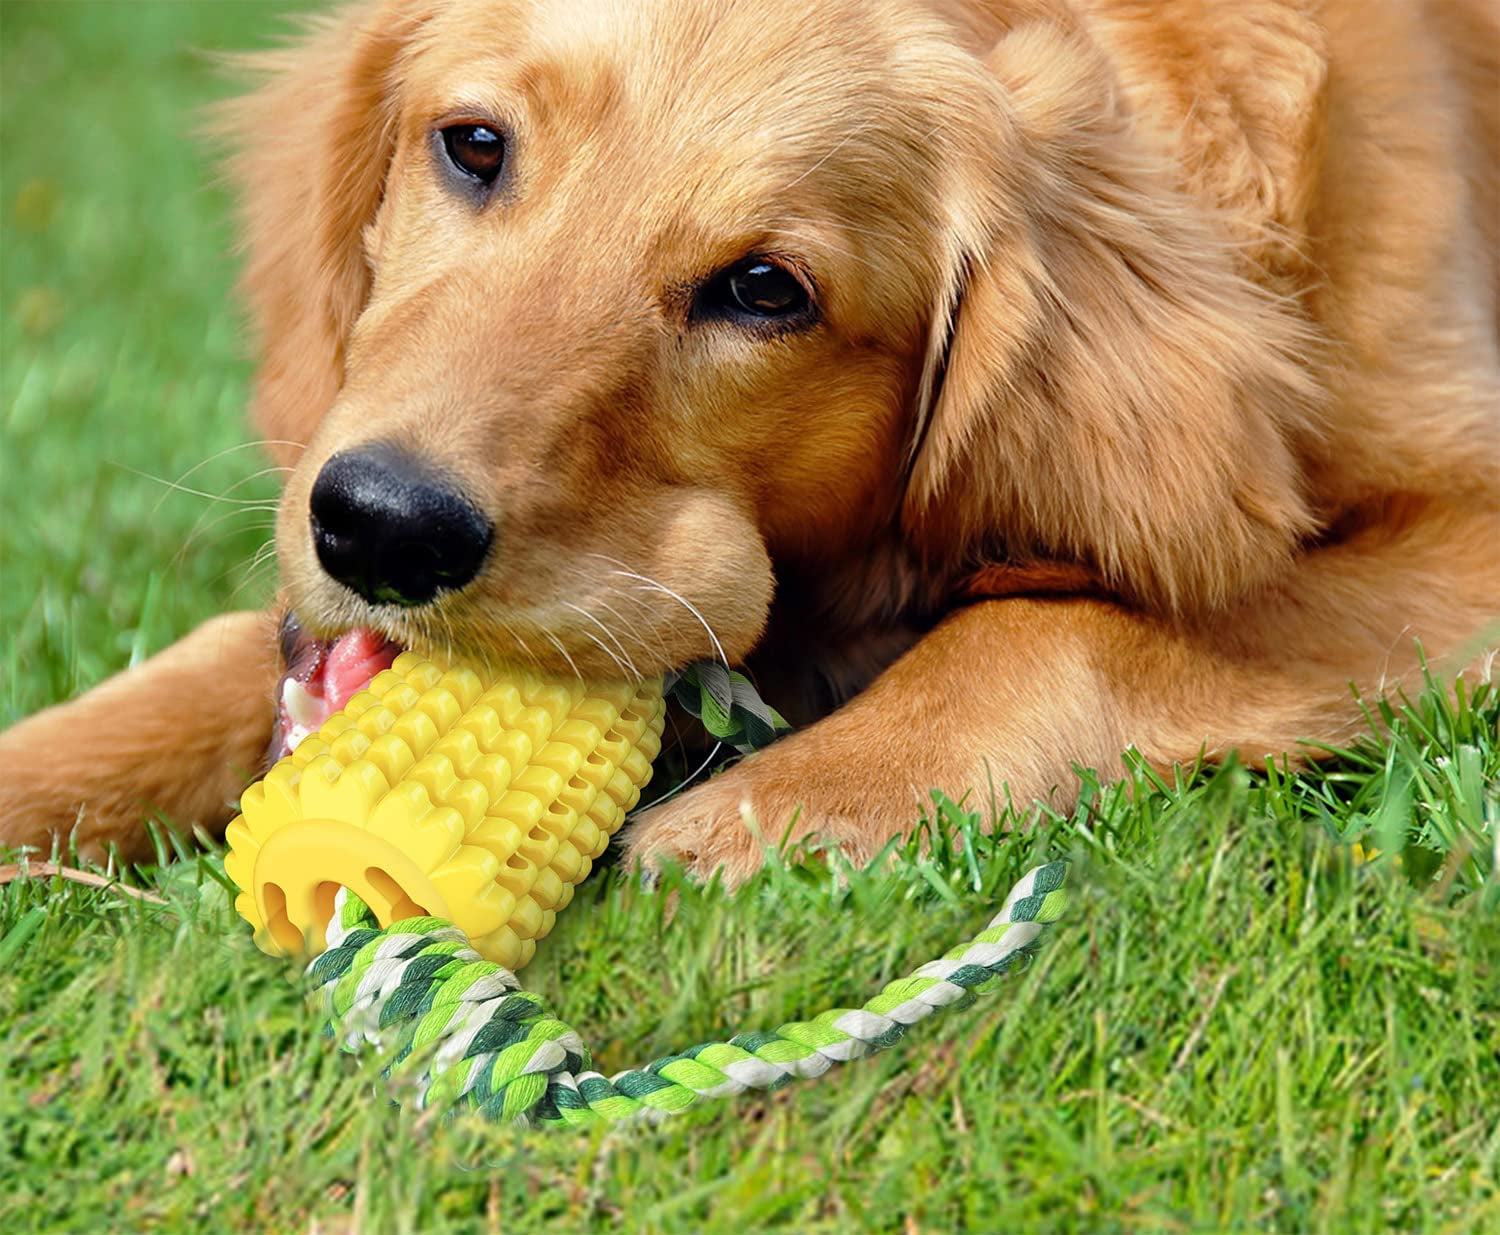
{"x": 435, "y": 794}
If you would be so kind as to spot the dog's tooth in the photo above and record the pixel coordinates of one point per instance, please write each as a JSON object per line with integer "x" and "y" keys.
{"x": 303, "y": 708}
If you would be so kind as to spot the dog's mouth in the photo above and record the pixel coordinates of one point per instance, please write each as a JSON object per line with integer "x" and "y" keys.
{"x": 320, "y": 677}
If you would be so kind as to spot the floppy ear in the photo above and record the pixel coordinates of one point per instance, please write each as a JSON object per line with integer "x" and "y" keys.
{"x": 1106, "y": 388}
{"x": 313, "y": 145}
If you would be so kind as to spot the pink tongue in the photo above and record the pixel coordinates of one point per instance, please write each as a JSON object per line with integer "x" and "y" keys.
{"x": 353, "y": 662}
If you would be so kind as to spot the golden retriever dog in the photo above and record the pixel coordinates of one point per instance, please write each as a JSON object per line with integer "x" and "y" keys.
{"x": 1005, "y": 382}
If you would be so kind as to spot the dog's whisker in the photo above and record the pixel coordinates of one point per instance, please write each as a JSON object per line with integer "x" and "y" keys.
{"x": 619, "y": 664}
{"x": 270, "y": 470}
{"x": 235, "y": 511}
{"x": 586, "y": 583}
{"x": 686, "y": 604}
{"x": 662, "y": 653}
{"x": 259, "y": 520}
{"x": 229, "y": 450}
{"x": 624, "y": 571}
{"x": 267, "y": 518}
{"x": 633, "y": 671}
{"x": 260, "y": 523}
{"x": 525, "y": 647}
{"x": 262, "y": 557}
{"x": 557, "y": 643}
{"x": 684, "y": 783}
{"x": 262, "y": 503}
{"x": 255, "y": 561}
{"x": 448, "y": 634}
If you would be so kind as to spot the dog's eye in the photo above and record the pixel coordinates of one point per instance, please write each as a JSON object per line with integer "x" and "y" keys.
{"x": 475, "y": 149}
{"x": 756, "y": 287}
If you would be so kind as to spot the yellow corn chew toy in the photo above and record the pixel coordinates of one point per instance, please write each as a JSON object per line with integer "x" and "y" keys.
{"x": 434, "y": 793}
{"x": 437, "y": 812}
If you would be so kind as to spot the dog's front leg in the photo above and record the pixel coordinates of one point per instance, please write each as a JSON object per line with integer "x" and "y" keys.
{"x": 177, "y": 736}
{"x": 1013, "y": 693}
{"x": 1004, "y": 693}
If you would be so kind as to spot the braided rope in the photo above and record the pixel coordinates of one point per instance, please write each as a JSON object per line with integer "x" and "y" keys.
{"x": 461, "y": 1034}
{"x": 726, "y": 703}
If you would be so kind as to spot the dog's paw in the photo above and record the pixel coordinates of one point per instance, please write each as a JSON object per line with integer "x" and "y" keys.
{"x": 732, "y": 825}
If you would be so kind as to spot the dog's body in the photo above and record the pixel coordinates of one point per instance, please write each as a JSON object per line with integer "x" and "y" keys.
{"x": 1145, "y": 388}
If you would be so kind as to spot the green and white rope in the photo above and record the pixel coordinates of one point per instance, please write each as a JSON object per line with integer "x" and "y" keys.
{"x": 726, "y": 703}
{"x": 461, "y": 1034}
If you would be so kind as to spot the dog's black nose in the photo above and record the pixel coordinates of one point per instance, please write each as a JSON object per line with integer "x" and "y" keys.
{"x": 390, "y": 528}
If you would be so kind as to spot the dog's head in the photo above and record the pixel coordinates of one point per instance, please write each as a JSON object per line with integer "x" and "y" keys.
{"x": 597, "y": 318}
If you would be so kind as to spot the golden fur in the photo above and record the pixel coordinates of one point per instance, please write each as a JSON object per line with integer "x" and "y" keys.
{"x": 1155, "y": 397}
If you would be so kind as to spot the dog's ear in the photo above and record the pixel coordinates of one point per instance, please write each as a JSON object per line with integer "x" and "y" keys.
{"x": 312, "y": 146}
{"x": 1106, "y": 387}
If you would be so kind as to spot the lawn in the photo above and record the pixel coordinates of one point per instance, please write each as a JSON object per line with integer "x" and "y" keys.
{"x": 1275, "y": 1004}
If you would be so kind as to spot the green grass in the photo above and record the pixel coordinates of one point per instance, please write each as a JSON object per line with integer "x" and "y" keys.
{"x": 123, "y": 353}
{"x": 1240, "y": 1027}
